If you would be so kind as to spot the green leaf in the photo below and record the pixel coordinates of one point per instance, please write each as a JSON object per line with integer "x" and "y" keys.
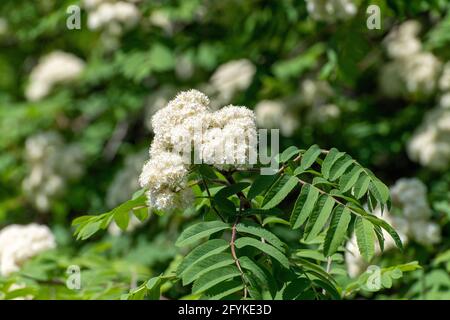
{"x": 203, "y": 251}
{"x": 282, "y": 193}
{"x": 386, "y": 226}
{"x": 260, "y": 184}
{"x": 263, "y": 233}
{"x": 264, "y": 247}
{"x": 365, "y": 238}
{"x": 287, "y": 154}
{"x": 329, "y": 288}
{"x": 318, "y": 221}
{"x": 332, "y": 156}
{"x": 248, "y": 264}
{"x": 161, "y": 57}
{"x": 304, "y": 205}
{"x": 295, "y": 288}
{"x": 275, "y": 220}
{"x": 199, "y": 231}
{"x": 224, "y": 289}
{"x": 338, "y": 229}
{"x": 310, "y": 156}
{"x": 361, "y": 186}
{"x": 348, "y": 180}
{"x": 122, "y": 219}
{"x": 214, "y": 277}
{"x": 231, "y": 190}
{"x": 90, "y": 229}
{"x": 293, "y": 67}
{"x": 154, "y": 288}
{"x": 340, "y": 167}
{"x": 207, "y": 171}
{"x": 379, "y": 190}
{"x": 142, "y": 214}
{"x": 206, "y": 265}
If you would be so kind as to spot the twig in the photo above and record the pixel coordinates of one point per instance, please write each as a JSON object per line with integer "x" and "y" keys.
{"x": 235, "y": 258}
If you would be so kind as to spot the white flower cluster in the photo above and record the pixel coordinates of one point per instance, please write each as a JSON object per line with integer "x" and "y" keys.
{"x": 19, "y": 243}
{"x": 316, "y": 96}
{"x": 408, "y": 197}
{"x": 52, "y": 164}
{"x": 331, "y": 10}
{"x": 232, "y": 77}
{"x": 112, "y": 16}
{"x": 156, "y": 101}
{"x": 186, "y": 126}
{"x": 430, "y": 144}
{"x": 55, "y": 68}
{"x": 412, "y": 71}
{"x": 126, "y": 181}
{"x": 271, "y": 114}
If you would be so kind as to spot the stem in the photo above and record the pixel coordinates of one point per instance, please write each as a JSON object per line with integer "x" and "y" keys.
{"x": 235, "y": 258}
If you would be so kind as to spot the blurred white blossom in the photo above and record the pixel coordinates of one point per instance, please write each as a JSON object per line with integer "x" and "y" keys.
{"x": 430, "y": 144}
{"x": 51, "y": 164}
{"x": 403, "y": 40}
{"x": 331, "y": 10}
{"x": 19, "y": 243}
{"x": 112, "y": 16}
{"x": 232, "y": 77}
{"x": 271, "y": 114}
{"x": 316, "y": 96}
{"x": 411, "y": 220}
{"x": 412, "y": 71}
{"x": 52, "y": 69}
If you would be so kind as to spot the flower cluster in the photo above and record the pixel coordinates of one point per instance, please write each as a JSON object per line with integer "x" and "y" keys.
{"x": 113, "y": 18}
{"x": 412, "y": 71}
{"x": 186, "y": 127}
{"x": 331, "y": 10}
{"x": 52, "y": 164}
{"x": 410, "y": 196}
{"x": 232, "y": 77}
{"x": 412, "y": 222}
{"x": 316, "y": 95}
{"x": 19, "y": 243}
{"x": 271, "y": 114}
{"x": 55, "y": 68}
{"x": 430, "y": 144}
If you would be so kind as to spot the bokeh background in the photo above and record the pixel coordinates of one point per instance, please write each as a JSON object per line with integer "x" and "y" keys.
{"x": 75, "y": 109}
